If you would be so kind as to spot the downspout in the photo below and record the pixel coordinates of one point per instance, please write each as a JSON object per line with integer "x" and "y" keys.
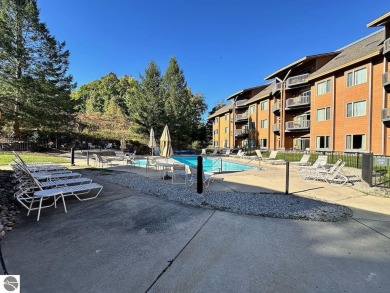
{"x": 369, "y": 138}
{"x": 282, "y": 110}
{"x": 333, "y": 112}
{"x": 384, "y": 138}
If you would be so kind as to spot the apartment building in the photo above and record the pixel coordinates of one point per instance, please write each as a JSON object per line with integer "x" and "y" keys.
{"x": 335, "y": 101}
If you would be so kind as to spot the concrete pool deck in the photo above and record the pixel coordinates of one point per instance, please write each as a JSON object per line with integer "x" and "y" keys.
{"x": 128, "y": 241}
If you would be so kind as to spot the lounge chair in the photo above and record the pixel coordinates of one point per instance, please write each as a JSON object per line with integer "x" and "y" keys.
{"x": 203, "y": 153}
{"x": 214, "y": 153}
{"x": 55, "y": 194}
{"x": 337, "y": 176}
{"x": 272, "y": 159}
{"x": 322, "y": 172}
{"x": 207, "y": 177}
{"x": 305, "y": 171}
{"x": 303, "y": 162}
{"x": 239, "y": 154}
{"x": 227, "y": 153}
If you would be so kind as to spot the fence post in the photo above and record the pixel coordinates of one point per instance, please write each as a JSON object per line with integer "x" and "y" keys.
{"x": 199, "y": 177}
{"x": 87, "y": 158}
{"x": 72, "y": 156}
{"x": 357, "y": 160}
{"x": 287, "y": 175}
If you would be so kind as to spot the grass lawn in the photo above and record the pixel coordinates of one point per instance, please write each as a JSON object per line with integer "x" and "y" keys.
{"x": 7, "y": 157}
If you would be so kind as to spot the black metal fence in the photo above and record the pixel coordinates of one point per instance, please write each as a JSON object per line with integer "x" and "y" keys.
{"x": 12, "y": 144}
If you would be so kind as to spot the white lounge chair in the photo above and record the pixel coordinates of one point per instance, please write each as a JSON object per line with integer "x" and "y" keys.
{"x": 207, "y": 177}
{"x": 303, "y": 162}
{"x": 272, "y": 159}
{"x": 306, "y": 171}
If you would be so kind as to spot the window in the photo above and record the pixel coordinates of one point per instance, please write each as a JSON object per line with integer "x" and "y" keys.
{"x": 323, "y": 114}
{"x": 215, "y": 143}
{"x": 215, "y": 131}
{"x": 263, "y": 143}
{"x": 227, "y": 117}
{"x": 264, "y": 105}
{"x": 323, "y": 87}
{"x": 356, "y": 142}
{"x": 323, "y": 142}
{"x": 226, "y": 143}
{"x": 264, "y": 123}
{"x": 216, "y": 120}
{"x": 226, "y": 129}
{"x": 357, "y": 77}
{"x": 252, "y": 109}
{"x": 356, "y": 109}
{"x": 252, "y": 125}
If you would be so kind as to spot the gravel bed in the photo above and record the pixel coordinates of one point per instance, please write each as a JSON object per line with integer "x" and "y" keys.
{"x": 274, "y": 205}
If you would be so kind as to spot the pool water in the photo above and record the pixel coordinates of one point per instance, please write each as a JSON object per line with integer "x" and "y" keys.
{"x": 212, "y": 164}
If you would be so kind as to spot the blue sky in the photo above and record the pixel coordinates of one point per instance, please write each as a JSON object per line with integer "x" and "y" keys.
{"x": 222, "y": 46}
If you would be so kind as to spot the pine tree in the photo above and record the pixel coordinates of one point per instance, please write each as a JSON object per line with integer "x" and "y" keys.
{"x": 178, "y": 106}
{"x": 34, "y": 85}
{"x": 148, "y": 103}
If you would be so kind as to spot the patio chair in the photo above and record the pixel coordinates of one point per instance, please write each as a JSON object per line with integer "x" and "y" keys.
{"x": 178, "y": 170}
{"x": 203, "y": 153}
{"x": 151, "y": 163}
{"x": 100, "y": 161}
{"x": 303, "y": 162}
{"x": 207, "y": 177}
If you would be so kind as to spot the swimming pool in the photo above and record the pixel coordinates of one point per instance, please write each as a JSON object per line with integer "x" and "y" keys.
{"x": 212, "y": 164}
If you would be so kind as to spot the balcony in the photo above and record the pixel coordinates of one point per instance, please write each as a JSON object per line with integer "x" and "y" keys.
{"x": 298, "y": 125}
{"x": 276, "y": 107}
{"x": 300, "y": 101}
{"x": 241, "y": 132}
{"x": 276, "y": 127}
{"x": 241, "y": 103}
{"x": 242, "y": 117}
{"x": 297, "y": 80}
{"x": 386, "y": 79}
{"x": 386, "y": 115}
{"x": 276, "y": 87}
{"x": 386, "y": 46}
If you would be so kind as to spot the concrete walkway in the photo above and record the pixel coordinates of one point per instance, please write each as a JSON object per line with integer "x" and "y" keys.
{"x": 126, "y": 241}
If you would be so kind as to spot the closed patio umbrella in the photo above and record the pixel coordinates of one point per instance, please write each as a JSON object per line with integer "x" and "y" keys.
{"x": 152, "y": 141}
{"x": 165, "y": 143}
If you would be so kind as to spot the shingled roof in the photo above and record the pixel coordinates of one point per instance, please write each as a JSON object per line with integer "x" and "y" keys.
{"x": 263, "y": 94}
{"x": 353, "y": 53}
{"x": 221, "y": 111}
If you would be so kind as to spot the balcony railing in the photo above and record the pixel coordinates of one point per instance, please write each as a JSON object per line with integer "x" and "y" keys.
{"x": 242, "y": 116}
{"x": 386, "y": 114}
{"x": 299, "y": 101}
{"x": 276, "y": 107}
{"x": 276, "y": 87}
{"x": 386, "y": 79}
{"x": 297, "y": 80}
{"x": 276, "y": 127}
{"x": 297, "y": 125}
{"x": 386, "y": 46}
{"x": 241, "y": 103}
{"x": 240, "y": 132}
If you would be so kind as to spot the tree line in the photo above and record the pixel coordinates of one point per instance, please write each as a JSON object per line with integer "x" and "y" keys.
{"x": 37, "y": 92}
{"x": 133, "y": 107}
